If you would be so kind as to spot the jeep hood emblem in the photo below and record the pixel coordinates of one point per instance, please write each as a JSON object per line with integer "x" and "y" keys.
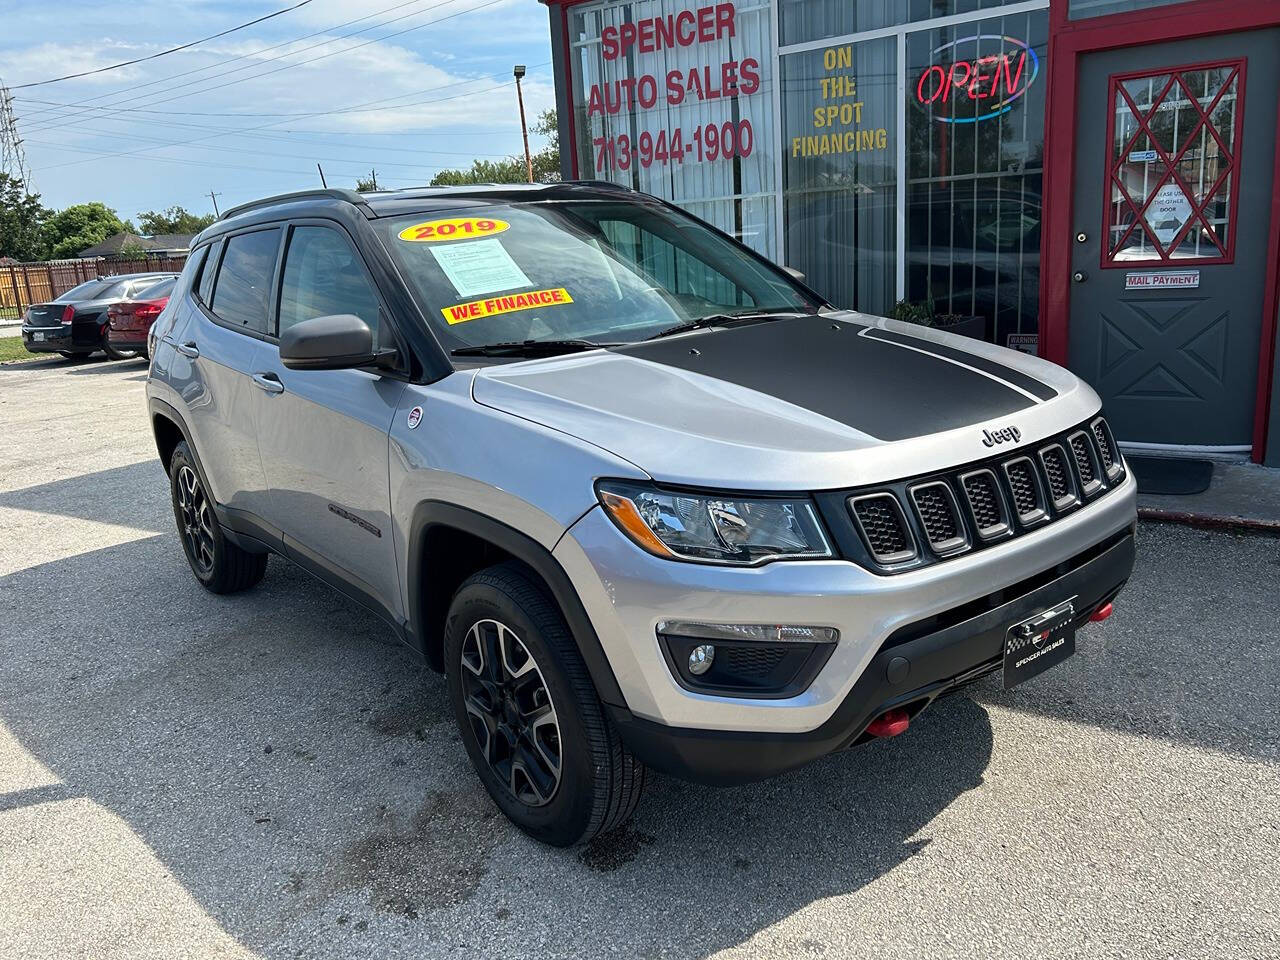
{"x": 991, "y": 438}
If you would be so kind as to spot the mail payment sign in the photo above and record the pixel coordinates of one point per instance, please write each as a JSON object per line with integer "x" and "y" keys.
{"x": 509, "y": 303}
{"x": 457, "y": 228}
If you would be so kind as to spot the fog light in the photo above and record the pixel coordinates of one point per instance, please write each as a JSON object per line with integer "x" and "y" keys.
{"x": 700, "y": 659}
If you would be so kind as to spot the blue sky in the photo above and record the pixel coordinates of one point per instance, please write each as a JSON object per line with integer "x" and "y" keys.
{"x": 436, "y": 95}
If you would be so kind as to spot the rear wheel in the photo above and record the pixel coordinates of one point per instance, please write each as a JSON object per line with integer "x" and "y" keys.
{"x": 219, "y": 565}
{"x": 529, "y": 715}
{"x": 113, "y": 353}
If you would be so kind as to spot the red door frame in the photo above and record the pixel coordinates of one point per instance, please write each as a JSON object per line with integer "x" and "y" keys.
{"x": 1069, "y": 40}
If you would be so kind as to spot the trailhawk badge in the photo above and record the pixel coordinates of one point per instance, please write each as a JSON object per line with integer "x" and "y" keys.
{"x": 414, "y": 418}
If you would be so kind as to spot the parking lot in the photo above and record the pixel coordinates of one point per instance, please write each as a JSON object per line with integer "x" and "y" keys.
{"x": 272, "y": 774}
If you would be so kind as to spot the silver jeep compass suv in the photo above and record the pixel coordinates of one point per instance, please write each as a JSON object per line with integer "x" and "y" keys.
{"x": 646, "y": 500}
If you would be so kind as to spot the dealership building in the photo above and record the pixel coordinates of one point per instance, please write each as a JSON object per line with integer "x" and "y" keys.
{"x": 1091, "y": 180}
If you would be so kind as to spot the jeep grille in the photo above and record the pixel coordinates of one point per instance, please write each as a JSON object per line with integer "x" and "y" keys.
{"x": 972, "y": 507}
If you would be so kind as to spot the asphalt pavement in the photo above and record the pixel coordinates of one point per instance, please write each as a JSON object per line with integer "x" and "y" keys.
{"x": 273, "y": 775}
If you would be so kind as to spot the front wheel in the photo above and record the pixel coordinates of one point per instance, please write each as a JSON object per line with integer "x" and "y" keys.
{"x": 219, "y": 565}
{"x": 529, "y": 715}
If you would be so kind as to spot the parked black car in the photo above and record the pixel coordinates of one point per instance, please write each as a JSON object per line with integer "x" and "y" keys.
{"x": 75, "y": 324}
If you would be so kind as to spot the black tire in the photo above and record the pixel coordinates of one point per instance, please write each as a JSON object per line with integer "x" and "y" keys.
{"x": 115, "y": 354}
{"x": 219, "y": 565}
{"x": 599, "y": 782}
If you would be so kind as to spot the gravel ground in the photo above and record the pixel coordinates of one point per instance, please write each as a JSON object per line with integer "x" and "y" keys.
{"x": 183, "y": 775}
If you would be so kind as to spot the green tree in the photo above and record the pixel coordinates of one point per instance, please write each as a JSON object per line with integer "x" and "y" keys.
{"x": 546, "y": 162}
{"x": 173, "y": 220}
{"x": 82, "y": 225}
{"x": 22, "y": 218}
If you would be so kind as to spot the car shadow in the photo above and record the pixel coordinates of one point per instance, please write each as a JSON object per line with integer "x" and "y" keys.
{"x": 120, "y": 495}
{"x": 1189, "y": 654}
{"x": 106, "y": 365}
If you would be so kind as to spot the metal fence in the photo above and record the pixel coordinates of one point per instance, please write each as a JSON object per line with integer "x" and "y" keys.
{"x": 22, "y": 284}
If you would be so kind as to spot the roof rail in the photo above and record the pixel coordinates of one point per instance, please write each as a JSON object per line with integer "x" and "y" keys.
{"x": 599, "y": 185}
{"x": 328, "y": 193}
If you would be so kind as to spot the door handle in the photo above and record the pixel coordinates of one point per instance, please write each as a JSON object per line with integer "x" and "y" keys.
{"x": 1079, "y": 276}
{"x": 188, "y": 349}
{"x": 268, "y": 382}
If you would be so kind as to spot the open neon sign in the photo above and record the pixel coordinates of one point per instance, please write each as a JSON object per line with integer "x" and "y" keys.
{"x": 992, "y": 83}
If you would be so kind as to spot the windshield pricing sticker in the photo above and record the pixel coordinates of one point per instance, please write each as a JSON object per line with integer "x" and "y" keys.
{"x": 479, "y": 267}
{"x": 493, "y": 306}
{"x": 458, "y": 228}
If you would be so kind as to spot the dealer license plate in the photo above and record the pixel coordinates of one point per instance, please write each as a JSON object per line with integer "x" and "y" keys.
{"x": 38, "y": 337}
{"x": 1038, "y": 643}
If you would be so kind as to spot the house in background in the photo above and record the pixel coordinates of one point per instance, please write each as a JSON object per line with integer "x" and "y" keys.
{"x": 162, "y": 245}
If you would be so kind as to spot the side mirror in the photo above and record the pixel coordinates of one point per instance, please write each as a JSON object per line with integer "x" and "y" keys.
{"x": 793, "y": 273}
{"x": 336, "y": 342}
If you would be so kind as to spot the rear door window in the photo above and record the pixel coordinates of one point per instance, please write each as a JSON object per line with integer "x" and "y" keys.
{"x": 208, "y": 272}
{"x": 242, "y": 292}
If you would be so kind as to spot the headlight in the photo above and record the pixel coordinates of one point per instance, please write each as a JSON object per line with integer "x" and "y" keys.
{"x": 715, "y": 529}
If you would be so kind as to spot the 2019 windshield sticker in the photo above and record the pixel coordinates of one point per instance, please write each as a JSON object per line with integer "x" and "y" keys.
{"x": 455, "y": 228}
{"x": 493, "y": 306}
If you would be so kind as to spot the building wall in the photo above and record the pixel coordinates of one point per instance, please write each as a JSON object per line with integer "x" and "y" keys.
{"x": 888, "y": 149}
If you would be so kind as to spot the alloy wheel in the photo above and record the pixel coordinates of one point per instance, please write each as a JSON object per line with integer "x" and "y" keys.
{"x": 512, "y": 716}
{"x": 197, "y": 519}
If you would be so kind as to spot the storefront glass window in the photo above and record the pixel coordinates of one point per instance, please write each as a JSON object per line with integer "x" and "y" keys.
{"x": 805, "y": 20}
{"x": 1081, "y": 9}
{"x": 839, "y": 170}
{"x": 975, "y": 155}
{"x": 677, "y": 101}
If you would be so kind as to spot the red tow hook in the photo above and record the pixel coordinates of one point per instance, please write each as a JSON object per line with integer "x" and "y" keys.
{"x": 889, "y": 724}
{"x": 1101, "y": 613}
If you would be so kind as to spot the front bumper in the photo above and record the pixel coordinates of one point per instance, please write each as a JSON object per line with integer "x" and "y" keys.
{"x": 925, "y": 666}
{"x": 627, "y": 592}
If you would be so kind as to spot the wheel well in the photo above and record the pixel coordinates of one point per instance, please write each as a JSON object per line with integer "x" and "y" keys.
{"x": 449, "y": 557}
{"x": 168, "y": 436}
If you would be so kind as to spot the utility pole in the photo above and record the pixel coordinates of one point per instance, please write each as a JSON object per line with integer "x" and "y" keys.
{"x": 528, "y": 160}
{"x": 214, "y": 197}
{"x": 373, "y": 175}
{"x": 13, "y": 160}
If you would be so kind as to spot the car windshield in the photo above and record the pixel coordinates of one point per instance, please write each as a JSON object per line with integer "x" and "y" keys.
{"x": 155, "y": 291}
{"x": 601, "y": 271}
{"x": 85, "y": 291}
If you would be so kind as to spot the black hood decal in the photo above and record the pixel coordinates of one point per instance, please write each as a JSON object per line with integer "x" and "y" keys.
{"x": 870, "y": 383}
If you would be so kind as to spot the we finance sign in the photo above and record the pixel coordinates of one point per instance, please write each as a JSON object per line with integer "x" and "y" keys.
{"x": 977, "y": 78}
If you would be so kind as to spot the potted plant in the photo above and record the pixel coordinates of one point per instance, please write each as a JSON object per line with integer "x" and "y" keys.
{"x": 924, "y": 315}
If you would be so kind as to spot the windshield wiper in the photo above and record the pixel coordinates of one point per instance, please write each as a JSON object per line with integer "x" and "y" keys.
{"x": 724, "y": 319}
{"x": 528, "y": 348}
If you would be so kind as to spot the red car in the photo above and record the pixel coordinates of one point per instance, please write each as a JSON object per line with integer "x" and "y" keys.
{"x": 129, "y": 321}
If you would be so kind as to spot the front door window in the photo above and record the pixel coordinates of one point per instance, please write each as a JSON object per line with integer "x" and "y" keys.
{"x": 1172, "y": 165}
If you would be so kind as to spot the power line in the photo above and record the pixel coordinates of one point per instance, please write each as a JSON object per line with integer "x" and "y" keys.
{"x": 365, "y": 107}
{"x": 127, "y": 153}
{"x": 82, "y": 106}
{"x": 162, "y": 53}
{"x": 96, "y": 156}
{"x": 299, "y": 63}
{"x": 219, "y": 63}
